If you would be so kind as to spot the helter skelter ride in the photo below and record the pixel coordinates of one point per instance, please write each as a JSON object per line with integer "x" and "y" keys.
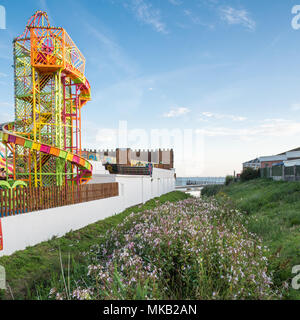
{"x": 50, "y": 90}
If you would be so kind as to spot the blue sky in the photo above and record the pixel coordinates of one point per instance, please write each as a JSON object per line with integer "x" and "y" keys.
{"x": 229, "y": 70}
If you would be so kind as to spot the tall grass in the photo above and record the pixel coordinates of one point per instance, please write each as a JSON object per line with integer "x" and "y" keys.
{"x": 32, "y": 271}
{"x": 273, "y": 209}
{"x": 192, "y": 249}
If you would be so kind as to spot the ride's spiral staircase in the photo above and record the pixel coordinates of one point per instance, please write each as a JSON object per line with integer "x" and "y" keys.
{"x": 50, "y": 90}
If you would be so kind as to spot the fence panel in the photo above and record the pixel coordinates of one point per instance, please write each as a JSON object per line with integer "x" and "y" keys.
{"x": 288, "y": 171}
{"x": 277, "y": 171}
{"x": 24, "y": 200}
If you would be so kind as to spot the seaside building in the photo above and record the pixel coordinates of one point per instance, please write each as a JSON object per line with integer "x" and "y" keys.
{"x": 269, "y": 161}
{"x": 254, "y": 164}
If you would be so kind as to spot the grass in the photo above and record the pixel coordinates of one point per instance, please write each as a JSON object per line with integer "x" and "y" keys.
{"x": 211, "y": 190}
{"x": 194, "y": 249}
{"x": 30, "y": 270}
{"x": 273, "y": 208}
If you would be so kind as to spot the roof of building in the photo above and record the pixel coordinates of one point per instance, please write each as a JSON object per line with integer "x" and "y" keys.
{"x": 291, "y": 154}
{"x": 287, "y": 155}
{"x": 296, "y": 149}
{"x": 252, "y": 161}
{"x": 274, "y": 158}
{"x": 292, "y": 163}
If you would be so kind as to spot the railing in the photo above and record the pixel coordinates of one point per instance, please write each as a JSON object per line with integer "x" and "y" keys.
{"x": 199, "y": 181}
{"x": 163, "y": 166}
{"x": 25, "y": 200}
{"x": 128, "y": 170}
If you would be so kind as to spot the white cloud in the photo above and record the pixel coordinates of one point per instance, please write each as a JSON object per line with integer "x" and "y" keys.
{"x": 235, "y": 16}
{"x": 176, "y": 112}
{"x": 5, "y": 104}
{"x": 6, "y": 117}
{"x": 222, "y": 116}
{"x": 196, "y": 20}
{"x": 106, "y": 138}
{"x": 145, "y": 12}
{"x": 267, "y": 128}
{"x": 295, "y": 106}
{"x": 175, "y": 2}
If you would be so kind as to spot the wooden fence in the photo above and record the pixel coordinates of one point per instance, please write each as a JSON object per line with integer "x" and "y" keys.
{"x": 25, "y": 200}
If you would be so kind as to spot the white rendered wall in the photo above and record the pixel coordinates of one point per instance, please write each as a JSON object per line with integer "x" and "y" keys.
{"x": 30, "y": 229}
{"x": 98, "y": 168}
{"x": 25, "y": 230}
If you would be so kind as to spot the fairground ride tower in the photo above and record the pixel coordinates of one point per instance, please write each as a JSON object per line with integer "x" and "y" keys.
{"x": 50, "y": 90}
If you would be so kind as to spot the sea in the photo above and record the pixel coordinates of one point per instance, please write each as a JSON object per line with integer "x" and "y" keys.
{"x": 180, "y": 181}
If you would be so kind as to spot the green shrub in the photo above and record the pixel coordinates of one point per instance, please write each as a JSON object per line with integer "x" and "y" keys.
{"x": 295, "y": 221}
{"x": 228, "y": 180}
{"x": 2, "y": 294}
{"x": 211, "y": 190}
{"x": 249, "y": 174}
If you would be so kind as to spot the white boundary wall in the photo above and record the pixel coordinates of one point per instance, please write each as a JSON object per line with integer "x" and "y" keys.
{"x": 26, "y": 230}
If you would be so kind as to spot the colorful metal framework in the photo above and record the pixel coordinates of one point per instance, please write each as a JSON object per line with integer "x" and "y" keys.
{"x": 50, "y": 90}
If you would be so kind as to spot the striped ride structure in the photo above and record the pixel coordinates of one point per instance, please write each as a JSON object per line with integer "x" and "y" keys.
{"x": 50, "y": 90}
{"x": 5, "y": 164}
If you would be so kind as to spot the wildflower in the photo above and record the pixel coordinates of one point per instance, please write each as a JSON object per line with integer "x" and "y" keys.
{"x": 52, "y": 292}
